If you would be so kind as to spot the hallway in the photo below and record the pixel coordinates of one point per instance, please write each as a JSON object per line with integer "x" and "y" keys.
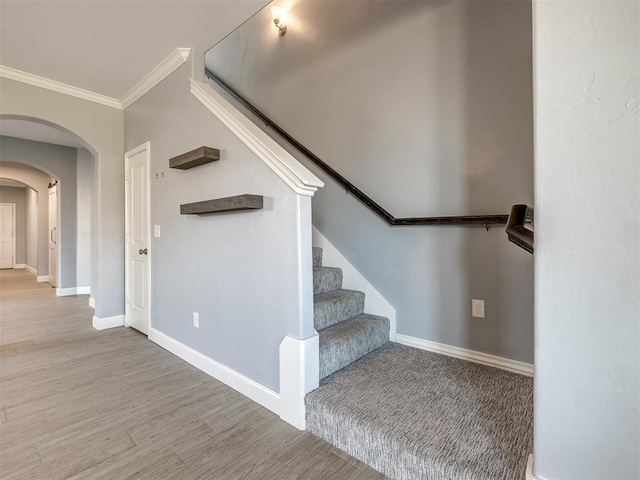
{"x": 81, "y": 403}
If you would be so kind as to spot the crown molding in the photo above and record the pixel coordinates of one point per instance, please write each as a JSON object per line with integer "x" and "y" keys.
{"x": 31, "y": 79}
{"x": 155, "y": 76}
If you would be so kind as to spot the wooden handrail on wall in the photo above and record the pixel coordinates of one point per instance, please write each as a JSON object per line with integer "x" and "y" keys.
{"x": 481, "y": 220}
{"x": 516, "y": 231}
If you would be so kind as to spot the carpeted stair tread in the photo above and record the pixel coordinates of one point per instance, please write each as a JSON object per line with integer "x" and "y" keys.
{"x": 326, "y": 279}
{"x": 317, "y": 256}
{"x": 333, "y": 307}
{"x": 412, "y": 414}
{"x": 349, "y": 340}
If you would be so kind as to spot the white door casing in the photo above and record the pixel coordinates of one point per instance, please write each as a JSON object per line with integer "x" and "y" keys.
{"x": 137, "y": 254}
{"x": 7, "y": 234}
{"x": 53, "y": 236}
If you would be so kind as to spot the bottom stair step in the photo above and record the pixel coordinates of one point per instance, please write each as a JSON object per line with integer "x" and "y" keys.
{"x": 412, "y": 414}
{"x": 349, "y": 340}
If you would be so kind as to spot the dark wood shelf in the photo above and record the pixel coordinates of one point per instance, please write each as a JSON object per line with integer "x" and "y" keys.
{"x": 219, "y": 205}
{"x": 194, "y": 158}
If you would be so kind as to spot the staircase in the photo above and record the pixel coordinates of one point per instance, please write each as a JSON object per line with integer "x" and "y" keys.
{"x": 346, "y": 332}
{"x": 409, "y": 413}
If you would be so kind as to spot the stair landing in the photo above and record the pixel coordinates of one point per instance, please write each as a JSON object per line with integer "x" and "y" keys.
{"x": 412, "y": 414}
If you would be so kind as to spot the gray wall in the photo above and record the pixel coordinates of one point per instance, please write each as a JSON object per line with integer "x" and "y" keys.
{"x": 237, "y": 270}
{"x": 59, "y": 162}
{"x": 427, "y": 107}
{"x": 37, "y": 180}
{"x": 101, "y": 130}
{"x": 17, "y": 195}
{"x": 587, "y": 383}
{"x": 85, "y": 179}
{"x": 32, "y": 228}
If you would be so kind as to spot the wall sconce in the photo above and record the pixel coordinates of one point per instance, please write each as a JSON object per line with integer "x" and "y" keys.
{"x": 279, "y": 19}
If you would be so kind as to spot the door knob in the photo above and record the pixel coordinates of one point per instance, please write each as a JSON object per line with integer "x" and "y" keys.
{"x": 142, "y": 252}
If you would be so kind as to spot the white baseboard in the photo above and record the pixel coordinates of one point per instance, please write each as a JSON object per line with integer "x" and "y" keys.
{"x": 83, "y": 290}
{"x": 374, "y": 302}
{"x": 250, "y": 388}
{"x": 31, "y": 269}
{"x": 529, "y": 474}
{"x": 299, "y": 374}
{"x": 66, "y": 292}
{"x": 108, "y": 322}
{"x": 470, "y": 355}
{"x": 19, "y": 266}
{"x": 92, "y": 302}
{"x": 42, "y": 278}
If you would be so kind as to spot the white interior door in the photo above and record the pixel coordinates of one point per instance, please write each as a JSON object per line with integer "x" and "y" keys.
{"x": 137, "y": 311}
{"x": 7, "y": 245}
{"x": 53, "y": 236}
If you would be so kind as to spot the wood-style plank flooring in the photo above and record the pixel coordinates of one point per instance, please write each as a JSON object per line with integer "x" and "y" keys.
{"x": 82, "y": 404}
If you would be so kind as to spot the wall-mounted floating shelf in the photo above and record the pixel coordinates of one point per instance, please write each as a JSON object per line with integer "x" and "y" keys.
{"x": 219, "y": 205}
{"x": 196, "y": 157}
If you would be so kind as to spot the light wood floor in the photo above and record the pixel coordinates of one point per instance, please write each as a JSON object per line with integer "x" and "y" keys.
{"x": 78, "y": 403}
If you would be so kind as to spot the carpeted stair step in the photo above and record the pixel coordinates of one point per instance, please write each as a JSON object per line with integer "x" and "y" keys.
{"x": 349, "y": 340}
{"x": 317, "y": 256}
{"x": 326, "y": 279}
{"x": 412, "y": 414}
{"x": 334, "y": 307}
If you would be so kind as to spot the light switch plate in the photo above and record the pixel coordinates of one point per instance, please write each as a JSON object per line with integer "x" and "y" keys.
{"x": 156, "y": 231}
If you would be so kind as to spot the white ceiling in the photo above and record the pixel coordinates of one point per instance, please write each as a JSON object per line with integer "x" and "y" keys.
{"x": 38, "y": 132}
{"x": 108, "y": 46}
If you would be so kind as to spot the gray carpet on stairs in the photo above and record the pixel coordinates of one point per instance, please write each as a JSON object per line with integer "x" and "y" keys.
{"x": 413, "y": 414}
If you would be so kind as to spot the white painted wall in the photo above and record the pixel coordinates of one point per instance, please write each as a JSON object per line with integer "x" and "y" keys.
{"x": 587, "y": 269}
{"x": 84, "y": 179}
{"x": 32, "y": 227}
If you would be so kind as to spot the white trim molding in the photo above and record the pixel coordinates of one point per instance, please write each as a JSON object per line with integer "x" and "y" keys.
{"x": 155, "y": 76}
{"x": 469, "y": 355}
{"x": 529, "y": 473}
{"x": 299, "y": 375}
{"x": 83, "y": 290}
{"x": 374, "y": 302}
{"x": 19, "y": 266}
{"x": 42, "y": 82}
{"x": 42, "y": 278}
{"x": 292, "y": 172}
{"x": 108, "y": 322}
{"x": 66, "y": 292}
{"x": 31, "y": 269}
{"x": 92, "y": 302}
{"x": 249, "y": 388}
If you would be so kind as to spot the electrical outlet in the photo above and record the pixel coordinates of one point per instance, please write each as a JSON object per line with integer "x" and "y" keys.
{"x": 196, "y": 319}
{"x": 477, "y": 308}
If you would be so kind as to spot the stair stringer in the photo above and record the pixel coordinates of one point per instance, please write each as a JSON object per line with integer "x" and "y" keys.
{"x": 374, "y": 302}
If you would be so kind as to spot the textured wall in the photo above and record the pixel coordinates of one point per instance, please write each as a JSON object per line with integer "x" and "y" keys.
{"x": 32, "y": 228}
{"x": 17, "y": 195}
{"x": 85, "y": 179}
{"x": 427, "y": 107}
{"x": 587, "y": 392}
{"x": 101, "y": 130}
{"x": 37, "y": 180}
{"x": 237, "y": 270}
{"x": 59, "y": 162}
